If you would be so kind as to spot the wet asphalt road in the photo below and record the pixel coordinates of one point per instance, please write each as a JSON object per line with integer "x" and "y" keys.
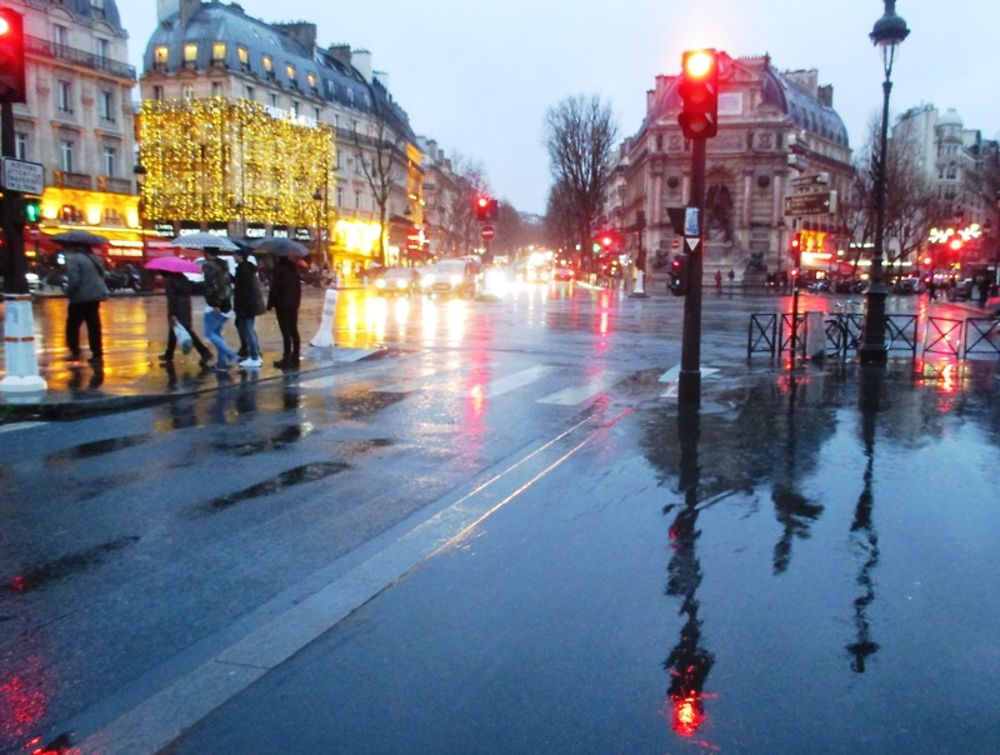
{"x": 565, "y": 564}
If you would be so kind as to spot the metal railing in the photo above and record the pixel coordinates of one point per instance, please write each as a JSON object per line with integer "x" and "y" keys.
{"x": 982, "y": 336}
{"x": 762, "y": 335}
{"x": 943, "y": 336}
{"x": 79, "y": 57}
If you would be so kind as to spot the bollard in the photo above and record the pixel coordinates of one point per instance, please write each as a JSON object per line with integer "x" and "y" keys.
{"x": 639, "y": 292}
{"x": 19, "y": 342}
{"x": 815, "y": 341}
{"x": 324, "y": 336}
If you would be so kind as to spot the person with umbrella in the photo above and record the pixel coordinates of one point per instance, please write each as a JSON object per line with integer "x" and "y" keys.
{"x": 86, "y": 289}
{"x": 177, "y": 289}
{"x": 248, "y": 302}
{"x": 284, "y": 298}
{"x": 219, "y": 306}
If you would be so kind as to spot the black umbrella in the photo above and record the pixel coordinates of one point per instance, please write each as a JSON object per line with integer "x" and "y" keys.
{"x": 79, "y": 238}
{"x": 282, "y": 247}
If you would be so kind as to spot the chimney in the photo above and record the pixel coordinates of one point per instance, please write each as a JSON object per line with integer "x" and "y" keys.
{"x": 340, "y": 53}
{"x": 382, "y": 78}
{"x": 825, "y": 95}
{"x": 188, "y": 9}
{"x": 302, "y": 32}
{"x": 363, "y": 62}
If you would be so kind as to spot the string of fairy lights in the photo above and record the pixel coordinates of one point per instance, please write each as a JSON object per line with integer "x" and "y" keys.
{"x": 218, "y": 159}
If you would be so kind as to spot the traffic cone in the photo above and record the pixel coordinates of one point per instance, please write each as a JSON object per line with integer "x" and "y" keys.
{"x": 324, "y": 335}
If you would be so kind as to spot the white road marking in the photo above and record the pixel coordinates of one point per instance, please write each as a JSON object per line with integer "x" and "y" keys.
{"x": 672, "y": 376}
{"x": 509, "y": 383}
{"x": 579, "y": 393}
{"x": 15, "y": 426}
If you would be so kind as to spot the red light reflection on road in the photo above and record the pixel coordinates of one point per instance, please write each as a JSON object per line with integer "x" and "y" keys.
{"x": 23, "y": 700}
{"x": 688, "y": 715}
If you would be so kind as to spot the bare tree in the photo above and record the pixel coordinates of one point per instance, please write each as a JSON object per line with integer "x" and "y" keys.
{"x": 580, "y": 138}
{"x": 561, "y": 223}
{"x": 378, "y": 152}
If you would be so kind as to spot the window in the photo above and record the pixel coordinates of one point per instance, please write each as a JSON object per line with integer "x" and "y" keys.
{"x": 311, "y": 78}
{"x": 295, "y": 108}
{"x": 160, "y": 57}
{"x": 190, "y": 54}
{"x": 340, "y": 197}
{"x": 60, "y": 35}
{"x": 218, "y": 53}
{"x": 107, "y": 105}
{"x": 66, "y": 156}
{"x": 20, "y": 145}
{"x": 187, "y": 92}
{"x": 110, "y": 161}
{"x": 102, "y": 48}
{"x": 243, "y": 56}
{"x": 216, "y": 89}
{"x": 250, "y": 93}
{"x": 952, "y": 173}
{"x": 64, "y": 93}
{"x": 157, "y": 92}
{"x": 268, "y": 65}
{"x": 357, "y": 200}
{"x": 316, "y": 114}
{"x": 274, "y": 100}
{"x": 290, "y": 73}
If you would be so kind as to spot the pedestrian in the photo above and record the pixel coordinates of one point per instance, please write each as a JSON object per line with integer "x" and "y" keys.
{"x": 177, "y": 289}
{"x": 86, "y": 289}
{"x": 718, "y": 281}
{"x": 931, "y": 289}
{"x": 984, "y": 292}
{"x": 732, "y": 276}
{"x": 218, "y": 306}
{"x": 248, "y": 302}
{"x": 284, "y": 298}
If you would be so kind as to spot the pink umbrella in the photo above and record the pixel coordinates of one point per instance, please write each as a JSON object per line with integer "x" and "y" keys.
{"x": 173, "y": 265}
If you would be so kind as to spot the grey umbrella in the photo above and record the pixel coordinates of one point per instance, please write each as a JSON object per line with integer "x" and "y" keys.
{"x": 79, "y": 238}
{"x": 282, "y": 247}
{"x": 202, "y": 240}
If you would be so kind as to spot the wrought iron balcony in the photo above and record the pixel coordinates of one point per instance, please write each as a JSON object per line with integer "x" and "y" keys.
{"x": 50, "y": 49}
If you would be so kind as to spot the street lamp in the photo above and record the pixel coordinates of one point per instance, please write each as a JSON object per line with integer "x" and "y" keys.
{"x": 318, "y": 199}
{"x": 888, "y": 33}
{"x": 140, "y": 179}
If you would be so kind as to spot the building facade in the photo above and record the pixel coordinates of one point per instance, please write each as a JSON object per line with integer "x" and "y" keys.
{"x": 78, "y": 121}
{"x": 370, "y": 190}
{"x": 774, "y": 127}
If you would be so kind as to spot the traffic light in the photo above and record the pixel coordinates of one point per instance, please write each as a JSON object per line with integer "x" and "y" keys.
{"x": 680, "y": 275}
{"x": 699, "y": 90}
{"x": 795, "y": 243}
{"x": 32, "y": 210}
{"x": 606, "y": 241}
{"x": 12, "y": 85}
{"x": 485, "y": 207}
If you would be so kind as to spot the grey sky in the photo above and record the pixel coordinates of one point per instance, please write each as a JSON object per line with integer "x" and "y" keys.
{"x": 479, "y": 76}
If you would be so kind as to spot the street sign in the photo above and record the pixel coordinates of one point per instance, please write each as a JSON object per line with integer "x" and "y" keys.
{"x": 488, "y": 232}
{"x": 822, "y": 203}
{"x": 809, "y": 182}
{"x": 675, "y": 243}
{"x": 22, "y": 176}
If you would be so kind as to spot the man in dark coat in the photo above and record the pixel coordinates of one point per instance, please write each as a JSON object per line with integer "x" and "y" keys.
{"x": 248, "y": 302}
{"x": 86, "y": 290}
{"x": 177, "y": 290}
{"x": 284, "y": 298}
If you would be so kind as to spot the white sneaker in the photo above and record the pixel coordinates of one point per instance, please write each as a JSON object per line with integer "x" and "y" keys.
{"x": 249, "y": 363}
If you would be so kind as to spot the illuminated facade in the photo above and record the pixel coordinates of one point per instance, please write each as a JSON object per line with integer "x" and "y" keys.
{"x": 208, "y": 51}
{"x": 78, "y": 121}
{"x": 774, "y": 126}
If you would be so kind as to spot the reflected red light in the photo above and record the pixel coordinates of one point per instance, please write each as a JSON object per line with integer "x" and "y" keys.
{"x": 955, "y": 244}
{"x": 17, "y": 583}
{"x": 687, "y": 714}
{"x": 927, "y": 260}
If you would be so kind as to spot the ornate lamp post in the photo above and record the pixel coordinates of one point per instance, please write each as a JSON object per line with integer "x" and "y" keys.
{"x": 320, "y": 252}
{"x": 140, "y": 178}
{"x": 888, "y": 33}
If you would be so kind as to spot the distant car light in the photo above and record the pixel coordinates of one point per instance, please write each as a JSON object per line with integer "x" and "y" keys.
{"x": 455, "y": 279}
{"x": 380, "y": 283}
{"x": 427, "y": 281}
{"x": 400, "y": 284}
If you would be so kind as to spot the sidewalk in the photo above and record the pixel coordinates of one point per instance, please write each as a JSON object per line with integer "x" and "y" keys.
{"x": 134, "y": 335}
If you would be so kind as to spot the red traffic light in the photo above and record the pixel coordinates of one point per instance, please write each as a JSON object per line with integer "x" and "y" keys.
{"x": 606, "y": 242}
{"x": 955, "y": 244}
{"x": 699, "y": 91}
{"x": 483, "y": 202}
{"x": 12, "y": 84}
{"x": 4, "y": 26}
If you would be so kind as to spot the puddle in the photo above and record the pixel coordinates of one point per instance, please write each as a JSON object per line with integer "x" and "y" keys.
{"x": 287, "y": 479}
{"x": 285, "y": 437}
{"x": 40, "y": 575}
{"x": 95, "y": 448}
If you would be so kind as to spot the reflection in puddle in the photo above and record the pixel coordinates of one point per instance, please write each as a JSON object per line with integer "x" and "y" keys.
{"x": 40, "y": 575}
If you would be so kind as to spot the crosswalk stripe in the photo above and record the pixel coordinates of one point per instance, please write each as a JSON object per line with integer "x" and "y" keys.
{"x": 15, "y": 426}
{"x": 509, "y": 383}
{"x": 429, "y": 379}
{"x": 579, "y": 393}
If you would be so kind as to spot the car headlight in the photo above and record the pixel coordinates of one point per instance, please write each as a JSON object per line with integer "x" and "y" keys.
{"x": 400, "y": 283}
{"x": 455, "y": 279}
{"x": 427, "y": 280}
{"x": 380, "y": 283}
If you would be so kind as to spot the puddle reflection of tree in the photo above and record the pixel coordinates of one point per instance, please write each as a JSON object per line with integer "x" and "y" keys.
{"x": 688, "y": 662}
{"x": 863, "y": 535}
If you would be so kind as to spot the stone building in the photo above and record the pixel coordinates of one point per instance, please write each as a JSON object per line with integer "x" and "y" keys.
{"x": 205, "y": 50}
{"x": 78, "y": 120}
{"x": 774, "y": 127}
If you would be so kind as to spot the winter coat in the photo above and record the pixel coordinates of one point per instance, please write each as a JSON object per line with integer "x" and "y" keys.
{"x": 286, "y": 288}
{"x": 248, "y": 301}
{"x": 177, "y": 289}
{"x": 85, "y": 278}
{"x": 218, "y": 284}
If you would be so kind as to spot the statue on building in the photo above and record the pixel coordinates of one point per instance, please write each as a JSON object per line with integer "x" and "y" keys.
{"x": 719, "y": 212}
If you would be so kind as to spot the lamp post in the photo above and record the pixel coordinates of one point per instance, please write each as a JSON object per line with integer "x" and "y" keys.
{"x": 318, "y": 199}
{"x": 140, "y": 179}
{"x": 888, "y": 33}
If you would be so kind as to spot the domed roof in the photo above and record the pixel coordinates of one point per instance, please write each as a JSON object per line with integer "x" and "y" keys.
{"x": 950, "y": 118}
{"x": 91, "y": 10}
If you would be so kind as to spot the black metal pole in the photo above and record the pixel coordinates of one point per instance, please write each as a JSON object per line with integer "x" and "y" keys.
{"x": 872, "y": 347}
{"x": 689, "y": 384}
{"x": 15, "y": 265}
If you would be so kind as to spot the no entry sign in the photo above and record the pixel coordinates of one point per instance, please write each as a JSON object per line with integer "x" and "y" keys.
{"x": 488, "y": 232}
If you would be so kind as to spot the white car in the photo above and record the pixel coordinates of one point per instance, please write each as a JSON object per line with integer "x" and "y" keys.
{"x": 397, "y": 281}
{"x": 456, "y": 277}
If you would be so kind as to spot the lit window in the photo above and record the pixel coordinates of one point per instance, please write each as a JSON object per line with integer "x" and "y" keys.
{"x": 243, "y": 55}
{"x": 161, "y": 55}
{"x": 218, "y": 52}
{"x": 290, "y": 71}
{"x": 312, "y": 80}
{"x": 190, "y": 53}
{"x": 268, "y": 64}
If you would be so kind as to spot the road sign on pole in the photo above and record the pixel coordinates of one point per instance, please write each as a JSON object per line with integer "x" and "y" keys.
{"x": 488, "y": 232}
{"x": 822, "y": 203}
{"x": 22, "y": 176}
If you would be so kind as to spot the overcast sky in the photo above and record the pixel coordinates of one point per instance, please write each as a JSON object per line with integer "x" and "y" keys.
{"x": 478, "y": 76}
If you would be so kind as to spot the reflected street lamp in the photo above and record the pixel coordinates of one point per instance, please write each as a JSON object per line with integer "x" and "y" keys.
{"x": 140, "y": 179}
{"x": 888, "y": 33}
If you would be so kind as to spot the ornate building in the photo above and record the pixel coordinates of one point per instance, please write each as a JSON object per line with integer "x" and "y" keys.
{"x": 214, "y": 51}
{"x": 78, "y": 120}
{"x": 774, "y": 127}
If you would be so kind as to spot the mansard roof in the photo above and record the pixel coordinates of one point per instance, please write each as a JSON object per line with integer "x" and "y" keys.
{"x": 89, "y": 11}
{"x": 227, "y": 23}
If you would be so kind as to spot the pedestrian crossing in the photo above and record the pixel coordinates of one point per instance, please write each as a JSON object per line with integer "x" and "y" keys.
{"x": 557, "y": 385}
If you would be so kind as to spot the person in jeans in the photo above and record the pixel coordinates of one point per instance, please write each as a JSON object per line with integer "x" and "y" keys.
{"x": 248, "y": 302}
{"x": 85, "y": 289}
{"x": 177, "y": 290}
{"x": 284, "y": 298}
{"x": 218, "y": 306}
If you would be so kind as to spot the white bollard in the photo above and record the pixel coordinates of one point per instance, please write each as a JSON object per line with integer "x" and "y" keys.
{"x": 19, "y": 343}
{"x": 639, "y": 290}
{"x": 324, "y": 336}
{"x": 815, "y": 341}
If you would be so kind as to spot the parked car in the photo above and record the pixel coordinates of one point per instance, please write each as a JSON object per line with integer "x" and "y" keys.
{"x": 961, "y": 291}
{"x": 820, "y": 286}
{"x": 907, "y": 285}
{"x": 127, "y": 276}
{"x": 451, "y": 277}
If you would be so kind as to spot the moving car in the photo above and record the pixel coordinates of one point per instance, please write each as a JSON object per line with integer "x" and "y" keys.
{"x": 397, "y": 281}
{"x": 451, "y": 277}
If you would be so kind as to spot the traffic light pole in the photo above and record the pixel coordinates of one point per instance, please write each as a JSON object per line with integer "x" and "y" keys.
{"x": 689, "y": 385}
{"x": 14, "y": 267}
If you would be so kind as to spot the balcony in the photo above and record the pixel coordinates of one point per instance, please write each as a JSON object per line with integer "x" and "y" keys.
{"x": 65, "y": 180}
{"x": 114, "y": 185}
{"x": 49, "y": 49}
